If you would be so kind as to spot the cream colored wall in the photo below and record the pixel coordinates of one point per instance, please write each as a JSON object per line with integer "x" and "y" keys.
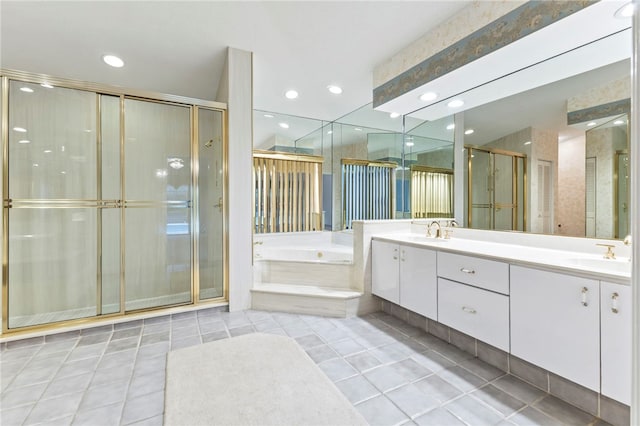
{"x": 613, "y": 91}
{"x": 470, "y": 19}
{"x": 570, "y": 209}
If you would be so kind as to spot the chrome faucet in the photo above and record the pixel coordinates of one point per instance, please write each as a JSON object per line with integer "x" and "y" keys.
{"x": 627, "y": 240}
{"x": 438, "y": 231}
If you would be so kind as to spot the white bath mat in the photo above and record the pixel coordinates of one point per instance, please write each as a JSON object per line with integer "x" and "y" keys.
{"x": 255, "y": 379}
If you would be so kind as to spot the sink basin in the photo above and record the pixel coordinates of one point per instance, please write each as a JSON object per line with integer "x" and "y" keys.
{"x": 620, "y": 265}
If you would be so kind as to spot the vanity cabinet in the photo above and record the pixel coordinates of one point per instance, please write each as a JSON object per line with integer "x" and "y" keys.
{"x": 484, "y": 273}
{"x": 479, "y": 313}
{"x": 555, "y": 323}
{"x": 615, "y": 323}
{"x": 406, "y": 276}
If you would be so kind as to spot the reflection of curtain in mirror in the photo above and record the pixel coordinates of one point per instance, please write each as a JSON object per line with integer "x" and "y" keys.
{"x": 367, "y": 190}
{"x": 431, "y": 192}
{"x": 288, "y": 192}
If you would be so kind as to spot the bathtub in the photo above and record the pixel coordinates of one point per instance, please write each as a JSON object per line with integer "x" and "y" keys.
{"x": 323, "y": 259}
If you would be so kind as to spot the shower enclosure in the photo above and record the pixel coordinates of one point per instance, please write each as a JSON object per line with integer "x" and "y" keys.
{"x": 495, "y": 187}
{"x": 112, "y": 202}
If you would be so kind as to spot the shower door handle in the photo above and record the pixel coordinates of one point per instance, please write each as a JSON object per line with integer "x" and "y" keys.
{"x": 219, "y": 205}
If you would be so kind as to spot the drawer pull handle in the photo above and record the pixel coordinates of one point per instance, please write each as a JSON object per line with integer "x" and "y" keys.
{"x": 467, "y": 271}
{"x": 469, "y": 310}
{"x": 614, "y": 303}
{"x": 585, "y": 292}
{"x": 402, "y": 255}
{"x": 395, "y": 254}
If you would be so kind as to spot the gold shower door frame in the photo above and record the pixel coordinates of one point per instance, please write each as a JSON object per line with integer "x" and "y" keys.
{"x": 515, "y": 207}
{"x": 194, "y": 106}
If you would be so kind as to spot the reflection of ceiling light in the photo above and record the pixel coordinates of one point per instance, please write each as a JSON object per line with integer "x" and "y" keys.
{"x": 468, "y": 131}
{"x": 26, "y": 89}
{"x": 593, "y": 123}
{"x": 451, "y": 126}
{"x": 394, "y": 115}
{"x": 113, "y": 61}
{"x": 456, "y": 103}
{"x": 429, "y": 96}
{"x": 268, "y": 116}
{"x": 161, "y": 173}
{"x": 335, "y": 89}
{"x": 35, "y": 164}
{"x": 283, "y": 125}
{"x": 358, "y": 129}
{"x": 618, "y": 122}
{"x": 527, "y": 143}
{"x": 47, "y": 151}
{"x": 63, "y": 172}
{"x": 19, "y": 129}
{"x": 46, "y": 85}
{"x": 291, "y": 94}
{"x": 409, "y": 144}
{"x": 625, "y": 11}
{"x": 24, "y": 141}
{"x": 330, "y": 132}
{"x": 176, "y": 163}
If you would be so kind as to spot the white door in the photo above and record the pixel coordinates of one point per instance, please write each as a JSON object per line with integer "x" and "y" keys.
{"x": 418, "y": 281}
{"x": 555, "y": 323}
{"x": 384, "y": 270}
{"x": 616, "y": 341}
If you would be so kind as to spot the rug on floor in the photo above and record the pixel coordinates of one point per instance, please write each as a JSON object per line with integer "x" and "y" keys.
{"x": 255, "y": 379}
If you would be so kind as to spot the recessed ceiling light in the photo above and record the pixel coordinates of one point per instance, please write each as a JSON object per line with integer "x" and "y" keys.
{"x": 468, "y": 131}
{"x": 113, "y": 61}
{"x": 358, "y": 129}
{"x": 618, "y": 122}
{"x": 24, "y": 141}
{"x": 291, "y": 94}
{"x": 451, "y": 126}
{"x": 19, "y": 129}
{"x": 268, "y": 116}
{"x": 394, "y": 115}
{"x": 46, "y": 85}
{"x": 63, "y": 172}
{"x": 336, "y": 90}
{"x": 429, "y": 96}
{"x": 456, "y": 103}
{"x": 35, "y": 164}
{"x": 330, "y": 132}
{"x": 409, "y": 144}
{"x": 527, "y": 143}
{"x": 591, "y": 124}
{"x": 283, "y": 125}
{"x": 26, "y": 89}
{"x": 625, "y": 11}
{"x": 47, "y": 151}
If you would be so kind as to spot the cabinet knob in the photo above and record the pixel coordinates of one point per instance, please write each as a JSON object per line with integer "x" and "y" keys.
{"x": 395, "y": 254}
{"x": 469, "y": 310}
{"x": 585, "y": 292}
{"x": 614, "y": 303}
{"x": 467, "y": 270}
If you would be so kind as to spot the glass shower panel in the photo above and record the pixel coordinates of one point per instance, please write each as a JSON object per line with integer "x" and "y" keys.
{"x": 157, "y": 193}
{"x": 52, "y": 143}
{"x": 53, "y": 258}
{"x": 503, "y": 174}
{"x": 622, "y": 196}
{"x": 110, "y": 144}
{"x": 210, "y": 207}
{"x": 481, "y": 191}
{"x": 110, "y": 265}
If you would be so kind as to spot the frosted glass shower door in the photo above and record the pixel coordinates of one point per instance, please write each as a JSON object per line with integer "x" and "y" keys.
{"x": 157, "y": 204}
{"x": 211, "y": 204}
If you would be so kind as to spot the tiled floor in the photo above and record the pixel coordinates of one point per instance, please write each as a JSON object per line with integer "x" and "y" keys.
{"x": 393, "y": 373}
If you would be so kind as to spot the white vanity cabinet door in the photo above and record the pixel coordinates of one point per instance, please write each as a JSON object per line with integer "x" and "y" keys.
{"x": 479, "y": 313}
{"x": 555, "y": 323}
{"x": 488, "y": 274}
{"x": 418, "y": 281}
{"x": 384, "y": 270}
{"x": 615, "y": 329}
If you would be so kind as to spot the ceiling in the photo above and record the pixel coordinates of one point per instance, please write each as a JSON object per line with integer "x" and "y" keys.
{"x": 178, "y": 47}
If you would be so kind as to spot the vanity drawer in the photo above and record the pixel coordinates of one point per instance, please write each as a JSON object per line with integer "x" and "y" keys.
{"x": 489, "y": 274}
{"x": 479, "y": 313}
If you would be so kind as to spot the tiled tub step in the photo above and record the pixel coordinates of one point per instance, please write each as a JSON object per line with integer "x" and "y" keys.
{"x": 305, "y": 299}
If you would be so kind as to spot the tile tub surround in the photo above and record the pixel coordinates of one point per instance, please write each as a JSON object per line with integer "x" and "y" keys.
{"x": 493, "y": 361}
{"x": 392, "y": 372}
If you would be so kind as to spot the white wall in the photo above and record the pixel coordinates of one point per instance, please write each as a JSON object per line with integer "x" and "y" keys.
{"x": 236, "y": 89}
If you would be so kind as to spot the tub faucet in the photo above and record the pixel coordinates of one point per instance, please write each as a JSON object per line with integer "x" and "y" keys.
{"x": 256, "y": 243}
{"x": 438, "y": 231}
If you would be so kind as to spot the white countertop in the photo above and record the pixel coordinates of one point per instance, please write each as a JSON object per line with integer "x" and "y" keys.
{"x": 576, "y": 263}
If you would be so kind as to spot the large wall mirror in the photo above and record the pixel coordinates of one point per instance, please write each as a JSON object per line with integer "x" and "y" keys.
{"x": 546, "y": 148}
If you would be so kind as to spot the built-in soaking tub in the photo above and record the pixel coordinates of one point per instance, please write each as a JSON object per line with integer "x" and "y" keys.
{"x": 304, "y": 258}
